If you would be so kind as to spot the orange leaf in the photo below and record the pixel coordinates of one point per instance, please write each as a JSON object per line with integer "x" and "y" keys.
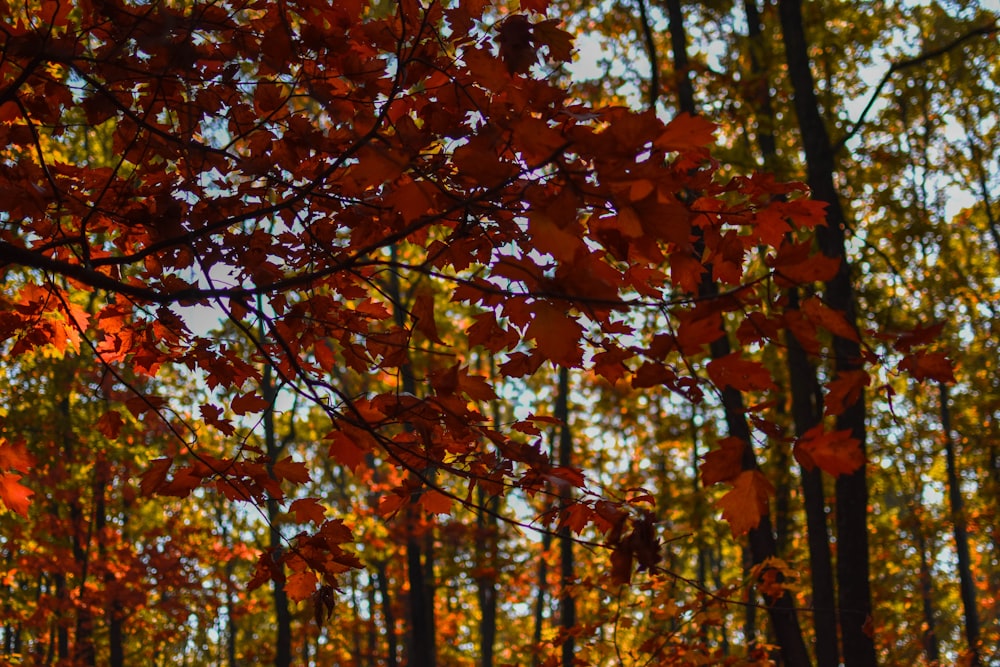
{"x": 686, "y": 132}
{"x": 15, "y": 495}
{"x": 293, "y": 471}
{"x": 724, "y": 463}
{"x": 828, "y": 318}
{"x": 301, "y": 585}
{"x": 15, "y": 456}
{"x": 746, "y": 503}
{"x": 308, "y": 509}
{"x": 740, "y": 374}
{"x": 435, "y": 502}
{"x": 557, "y": 335}
{"x": 834, "y": 452}
{"x": 844, "y": 391}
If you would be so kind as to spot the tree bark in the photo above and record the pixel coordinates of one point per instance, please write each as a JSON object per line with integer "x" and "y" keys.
{"x": 282, "y": 614}
{"x": 967, "y": 584}
{"x": 762, "y": 545}
{"x": 567, "y": 605}
{"x": 854, "y": 593}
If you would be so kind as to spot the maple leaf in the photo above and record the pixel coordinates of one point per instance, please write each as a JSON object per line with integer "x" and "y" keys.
{"x": 516, "y": 48}
{"x": 556, "y": 335}
{"x": 14, "y": 456}
{"x": 423, "y": 316}
{"x": 828, "y": 318}
{"x": 15, "y": 495}
{"x": 110, "y": 424}
{"x": 249, "y": 402}
{"x": 293, "y": 471}
{"x": 559, "y": 42}
{"x": 844, "y": 391}
{"x": 747, "y": 502}
{"x": 347, "y": 451}
{"x": 834, "y": 452}
{"x": 308, "y": 510}
{"x": 686, "y": 132}
{"x": 929, "y": 365}
{"x": 301, "y": 585}
{"x": 435, "y": 502}
{"x": 740, "y": 374}
{"x": 724, "y": 463}
{"x": 155, "y": 477}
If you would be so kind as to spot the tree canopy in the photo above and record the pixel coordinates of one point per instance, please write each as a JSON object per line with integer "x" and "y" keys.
{"x": 385, "y": 333}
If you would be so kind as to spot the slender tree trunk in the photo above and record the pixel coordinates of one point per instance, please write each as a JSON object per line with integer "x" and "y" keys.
{"x": 807, "y": 410}
{"x": 540, "y": 600}
{"x": 567, "y": 604}
{"x": 419, "y": 566}
{"x": 487, "y": 546}
{"x": 387, "y": 614}
{"x": 931, "y": 645}
{"x": 762, "y": 545}
{"x": 282, "y": 613}
{"x": 853, "y": 590}
{"x": 804, "y": 386}
{"x": 967, "y": 582}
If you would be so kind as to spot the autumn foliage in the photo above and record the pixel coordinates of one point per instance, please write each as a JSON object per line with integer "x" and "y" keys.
{"x": 363, "y": 229}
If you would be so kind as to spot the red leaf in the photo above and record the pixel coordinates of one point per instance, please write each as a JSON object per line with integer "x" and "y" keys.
{"x": 423, "y": 316}
{"x": 828, "y": 318}
{"x": 347, "y": 451}
{"x": 15, "y": 495}
{"x": 834, "y": 452}
{"x": 724, "y": 463}
{"x": 746, "y": 503}
{"x": 153, "y": 479}
{"x": 435, "y": 502}
{"x": 740, "y": 374}
{"x": 301, "y": 585}
{"x": 308, "y": 510}
{"x": 516, "y": 48}
{"x": 293, "y": 471}
{"x": 844, "y": 391}
{"x": 110, "y": 424}
{"x": 686, "y": 132}
{"x": 559, "y": 42}
{"x": 556, "y": 335}
{"x": 929, "y": 365}
{"x": 249, "y": 402}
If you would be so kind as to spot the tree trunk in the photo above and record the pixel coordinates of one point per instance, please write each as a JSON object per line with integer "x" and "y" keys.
{"x": 282, "y": 614}
{"x": 931, "y": 645}
{"x": 854, "y": 594}
{"x": 387, "y": 614}
{"x": 762, "y": 545}
{"x": 807, "y": 410}
{"x": 967, "y": 582}
{"x": 567, "y": 605}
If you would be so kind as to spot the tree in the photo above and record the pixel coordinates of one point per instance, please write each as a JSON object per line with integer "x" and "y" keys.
{"x": 371, "y": 203}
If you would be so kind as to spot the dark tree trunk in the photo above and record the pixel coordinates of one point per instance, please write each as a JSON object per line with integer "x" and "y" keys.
{"x": 282, "y": 613}
{"x": 931, "y": 645}
{"x": 388, "y": 615}
{"x": 967, "y": 582}
{"x": 807, "y": 409}
{"x": 853, "y": 586}
{"x": 567, "y": 605}
{"x": 762, "y": 545}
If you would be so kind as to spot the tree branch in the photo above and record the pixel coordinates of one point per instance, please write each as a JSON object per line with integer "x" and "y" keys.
{"x": 981, "y": 31}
